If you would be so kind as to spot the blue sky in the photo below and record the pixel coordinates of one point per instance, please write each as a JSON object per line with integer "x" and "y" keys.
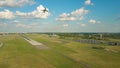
{"x": 62, "y": 16}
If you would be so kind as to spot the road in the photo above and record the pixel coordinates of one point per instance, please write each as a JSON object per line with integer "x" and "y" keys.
{"x": 1, "y": 44}
{"x": 35, "y": 43}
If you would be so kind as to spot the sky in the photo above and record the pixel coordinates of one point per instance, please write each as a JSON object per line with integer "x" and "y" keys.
{"x": 61, "y": 16}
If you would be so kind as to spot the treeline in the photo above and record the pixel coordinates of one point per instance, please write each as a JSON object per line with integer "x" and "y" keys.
{"x": 112, "y": 35}
{"x": 97, "y": 36}
{"x": 90, "y": 35}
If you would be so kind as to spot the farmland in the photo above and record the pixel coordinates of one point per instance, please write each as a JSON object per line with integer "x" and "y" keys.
{"x": 61, "y": 53}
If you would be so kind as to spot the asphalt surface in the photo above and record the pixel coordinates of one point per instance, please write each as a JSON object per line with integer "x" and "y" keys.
{"x": 35, "y": 43}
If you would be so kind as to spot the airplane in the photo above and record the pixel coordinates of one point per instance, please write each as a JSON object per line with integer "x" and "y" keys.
{"x": 45, "y": 10}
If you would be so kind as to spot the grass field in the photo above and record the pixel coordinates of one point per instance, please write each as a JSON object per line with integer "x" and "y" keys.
{"x": 18, "y": 53}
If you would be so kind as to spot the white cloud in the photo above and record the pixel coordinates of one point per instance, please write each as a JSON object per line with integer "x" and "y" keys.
{"x": 75, "y": 15}
{"x": 20, "y": 25}
{"x": 18, "y": 13}
{"x": 3, "y": 24}
{"x": 34, "y": 24}
{"x": 82, "y": 18}
{"x": 83, "y": 25}
{"x": 65, "y": 17}
{"x": 45, "y": 23}
{"x": 79, "y": 12}
{"x": 99, "y": 22}
{"x": 92, "y": 21}
{"x": 15, "y": 21}
{"x": 6, "y": 14}
{"x": 15, "y": 3}
{"x": 65, "y": 25}
{"x": 88, "y": 2}
{"x": 38, "y": 13}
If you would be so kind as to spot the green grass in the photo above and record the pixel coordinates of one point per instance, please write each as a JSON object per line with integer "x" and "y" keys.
{"x": 81, "y": 52}
{"x": 17, "y": 53}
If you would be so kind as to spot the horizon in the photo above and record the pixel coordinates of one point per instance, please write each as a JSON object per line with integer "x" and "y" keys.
{"x": 83, "y": 16}
{"x": 56, "y": 32}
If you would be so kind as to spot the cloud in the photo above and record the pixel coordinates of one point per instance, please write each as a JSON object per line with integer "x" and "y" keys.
{"x": 92, "y": 21}
{"x": 3, "y": 24}
{"x": 20, "y": 25}
{"x": 66, "y": 17}
{"x": 6, "y": 14}
{"x": 88, "y": 2}
{"x": 82, "y": 18}
{"x": 65, "y": 25}
{"x": 79, "y": 12}
{"x": 38, "y": 13}
{"x": 15, "y": 21}
{"x": 75, "y": 15}
{"x": 83, "y": 25}
{"x": 118, "y": 18}
{"x": 15, "y": 3}
{"x": 18, "y": 13}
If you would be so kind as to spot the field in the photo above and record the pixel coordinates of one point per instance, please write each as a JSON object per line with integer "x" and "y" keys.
{"x": 18, "y": 53}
